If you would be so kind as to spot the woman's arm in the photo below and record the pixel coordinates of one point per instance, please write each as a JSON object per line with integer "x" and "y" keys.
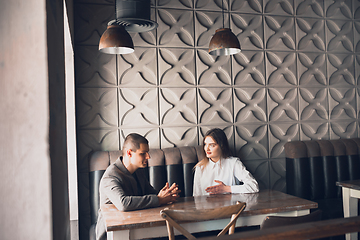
{"x": 250, "y": 184}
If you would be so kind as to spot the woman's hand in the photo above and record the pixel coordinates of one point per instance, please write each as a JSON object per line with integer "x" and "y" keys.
{"x": 168, "y": 194}
{"x": 219, "y": 188}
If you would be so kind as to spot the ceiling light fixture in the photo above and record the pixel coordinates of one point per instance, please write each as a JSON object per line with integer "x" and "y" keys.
{"x": 224, "y": 41}
{"x": 116, "y": 40}
{"x": 131, "y": 16}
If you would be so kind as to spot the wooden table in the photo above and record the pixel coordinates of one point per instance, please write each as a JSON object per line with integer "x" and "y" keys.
{"x": 147, "y": 223}
{"x": 351, "y": 194}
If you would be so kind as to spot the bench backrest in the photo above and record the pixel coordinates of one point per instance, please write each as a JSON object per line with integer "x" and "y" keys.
{"x": 314, "y": 167}
{"x": 165, "y": 165}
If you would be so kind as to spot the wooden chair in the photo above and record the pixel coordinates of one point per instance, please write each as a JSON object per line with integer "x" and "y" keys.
{"x": 183, "y": 215}
{"x": 277, "y": 221}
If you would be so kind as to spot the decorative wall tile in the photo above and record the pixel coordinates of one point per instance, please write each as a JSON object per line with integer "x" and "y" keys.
{"x": 178, "y": 4}
{"x": 314, "y": 131}
{"x": 175, "y": 28}
{"x": 312, "y": 69}
{"x": 357, "y": 69}
{"x": 97, "y": 107}
{"x": 281, "y": 68}
{"x": 341, "y": 70}
{"x": 91, "y": 21}
{"x": 213, "y": 71}
{"x": 358, "y": 102}
{"x": 277, "y": 170}
{"x": 178, "y": 106}
{"x": 310, "y": 34}
{"x": 310, "y": 8}
{"x": 95, "y": 140}
{"x": 356, "y": 10}
{"x": 177, "y": 67}
{"x": 248, "y": 69}
{"x": 138, "y": 68}
{"x": 342, "y": 103}
{"x": 247, "y": 6}
{"x": 276, "y": 7}
{"x": 211, "y": 5}
{"x": 340, "y": 36}
{"x": 340, "y": 9}
{"x": 279, "y": 134}
{"x": 357, "y": 35}
{"x": 94, "y": 69}
{"x": 138, "y": 107}
{"x": 250, "y": 105}
{"x": 343, "y": 129}
{"x": 251, "y": 141}
{"x": 314, "y": 104}
{"x": 283, "y": 104}
{"x": 215, "y": 106}
{"x": 279, "y": 33}
{"x": 179, "y": 136}
{"x": 249, "y": 30}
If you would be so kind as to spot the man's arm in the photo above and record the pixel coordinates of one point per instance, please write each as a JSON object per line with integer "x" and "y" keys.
{"x": 120, "y": 192}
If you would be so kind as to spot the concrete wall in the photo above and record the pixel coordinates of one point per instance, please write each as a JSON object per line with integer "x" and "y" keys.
{"x": 25, "y": 176}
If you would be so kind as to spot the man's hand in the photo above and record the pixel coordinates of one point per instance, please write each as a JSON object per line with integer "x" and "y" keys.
{"x": 219, "y": 188}
{"x": 168, "y": 194}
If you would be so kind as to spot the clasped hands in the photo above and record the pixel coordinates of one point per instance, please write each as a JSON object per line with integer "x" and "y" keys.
{"x": 218, "y": 189}
{"x": 168, "y": 194}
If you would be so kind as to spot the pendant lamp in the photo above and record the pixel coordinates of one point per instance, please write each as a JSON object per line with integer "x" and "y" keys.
{"x": 131, "y": 16}
{"x": 116, "y": 40}
{"x": 224, "y": 41}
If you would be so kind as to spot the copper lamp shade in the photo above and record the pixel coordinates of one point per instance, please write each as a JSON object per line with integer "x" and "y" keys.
{"x": 224, "y": 42}
{"x": 116, "y": 40}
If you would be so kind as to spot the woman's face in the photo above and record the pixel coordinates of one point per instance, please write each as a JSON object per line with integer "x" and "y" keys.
{"x": 212, "y": 149}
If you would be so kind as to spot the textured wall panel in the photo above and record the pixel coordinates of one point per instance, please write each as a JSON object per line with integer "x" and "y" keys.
{"x": 178, "y": 106}
{"x": 296, "y": 78}
{"x": 138, "y": 68}
{"x": 138, "y": 107}
{"x": 94, "y": 69}
{"x": 177, "y": 67}
{"x": 175, "y": 28}
{"x": 249, "y": 68}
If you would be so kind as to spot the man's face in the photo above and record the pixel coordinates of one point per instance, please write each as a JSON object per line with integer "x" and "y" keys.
{"x": 141, "y": 156}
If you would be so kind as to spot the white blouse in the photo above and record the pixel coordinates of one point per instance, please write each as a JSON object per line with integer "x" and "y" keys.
{"x": 224, "y": 170}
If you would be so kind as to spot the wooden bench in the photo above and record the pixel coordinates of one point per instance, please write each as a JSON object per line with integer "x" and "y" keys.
{"x": 311, "y": 230}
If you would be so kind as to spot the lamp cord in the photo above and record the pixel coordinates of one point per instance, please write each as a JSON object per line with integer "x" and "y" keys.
{"x": 222, "y": 8}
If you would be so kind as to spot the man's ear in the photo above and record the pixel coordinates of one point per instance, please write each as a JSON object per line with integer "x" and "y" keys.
{"x": 128, "y": 152}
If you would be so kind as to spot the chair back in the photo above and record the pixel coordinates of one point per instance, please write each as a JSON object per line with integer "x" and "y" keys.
{"x": 277, "y": 221}
{"x": 172, "y": 216}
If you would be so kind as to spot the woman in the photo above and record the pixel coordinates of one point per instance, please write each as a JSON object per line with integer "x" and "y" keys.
{"x": 216, "y": 173}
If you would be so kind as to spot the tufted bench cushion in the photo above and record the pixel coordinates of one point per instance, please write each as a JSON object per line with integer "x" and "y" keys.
{"x": 165, "y": 165}
{"x": 314, "y": 167}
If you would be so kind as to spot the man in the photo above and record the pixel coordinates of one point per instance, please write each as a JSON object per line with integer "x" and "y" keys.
{"x": 127, "y": 188}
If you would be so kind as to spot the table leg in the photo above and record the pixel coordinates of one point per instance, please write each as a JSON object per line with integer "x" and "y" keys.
{"x": 124, "y": 234}
{"x": 350, "y": 205}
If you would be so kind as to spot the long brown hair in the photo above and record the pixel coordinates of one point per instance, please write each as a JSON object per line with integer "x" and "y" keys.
{"x": 220, "y": 138}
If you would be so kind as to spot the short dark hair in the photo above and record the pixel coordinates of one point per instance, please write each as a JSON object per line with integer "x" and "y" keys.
{"x": 220, "y": 138}
{"x": 133, "y": 141}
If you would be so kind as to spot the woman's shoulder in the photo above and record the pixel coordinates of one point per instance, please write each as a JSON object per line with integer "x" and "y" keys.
{"x": 232, "y": 159}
